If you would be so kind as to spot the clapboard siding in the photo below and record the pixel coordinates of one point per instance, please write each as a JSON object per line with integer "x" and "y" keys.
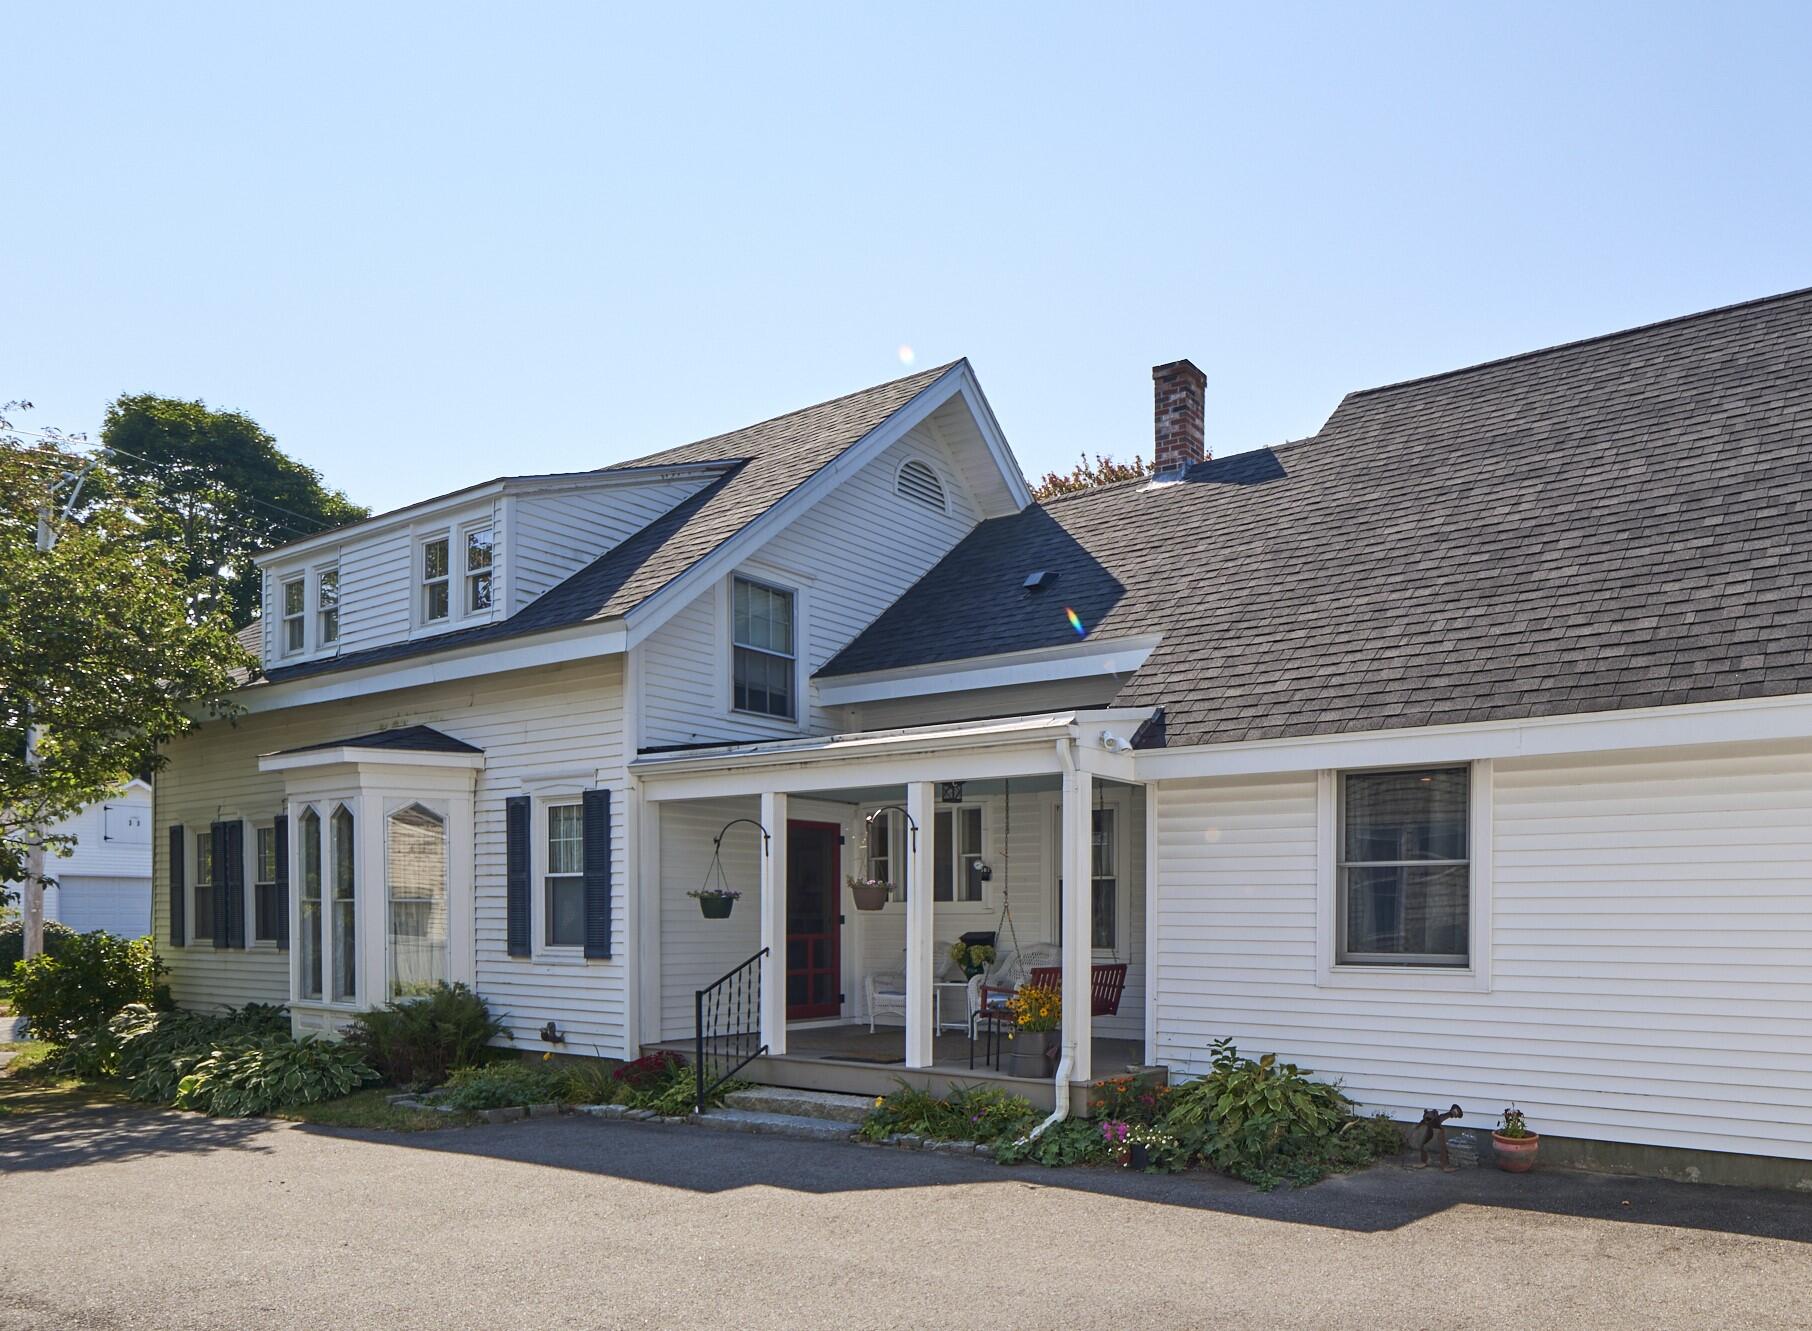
{"x": 850, "y": 575}
{"x": 555, "y": 535}
{"x": 1651, "y": 950}
{"x": 695, "y": 951}
{"x": 551, "y": 722}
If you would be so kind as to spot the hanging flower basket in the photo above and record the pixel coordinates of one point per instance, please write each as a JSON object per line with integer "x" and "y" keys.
{"x": 715, "y": 904}
{"x": 869, "y": 893}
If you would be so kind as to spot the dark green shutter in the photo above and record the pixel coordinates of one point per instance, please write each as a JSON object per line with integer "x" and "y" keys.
{"x": 233, "y": 875}
{"x": 596, "y": 805}
{"x": 516, "y": 873}
{"x": 179, "y": 915}
{"x": 219, "y": 833}
{"x": 280, "y": 841}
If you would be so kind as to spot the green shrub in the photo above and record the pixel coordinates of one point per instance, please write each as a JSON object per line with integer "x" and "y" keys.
{"x": 89, "y": 978}
{"x": 12, "y": 943}
{"x": 258, "y": 1074}
{"x": 418, "y": 1041}
{"x": 968, "y": 1113}
{"x": 153, "y": 1051}
{"x": 1070, "y": 1141}
{"x": 505, "y": 1085}
{"x": 1264, "y": 1121}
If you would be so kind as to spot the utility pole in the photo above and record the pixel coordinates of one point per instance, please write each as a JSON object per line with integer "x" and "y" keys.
{"x": 31, "y": 903}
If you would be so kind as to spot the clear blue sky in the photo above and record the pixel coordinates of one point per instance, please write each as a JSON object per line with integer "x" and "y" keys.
{"x": 425, "y": 245}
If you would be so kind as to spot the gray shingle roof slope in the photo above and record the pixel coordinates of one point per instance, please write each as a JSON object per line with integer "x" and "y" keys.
{"x": 1616, "y": 523}
{"x": 415, "y": 739}
{"x": 774, "y": 457}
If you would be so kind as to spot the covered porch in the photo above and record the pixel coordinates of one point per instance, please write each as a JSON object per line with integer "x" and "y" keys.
{"x": 974, "y": 829}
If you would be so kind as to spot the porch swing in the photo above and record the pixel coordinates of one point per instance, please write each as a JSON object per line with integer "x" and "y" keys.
{"x": 1107, "y": 983}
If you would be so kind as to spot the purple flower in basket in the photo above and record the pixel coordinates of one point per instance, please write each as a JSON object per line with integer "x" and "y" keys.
{"x": 1113, "y": 1131}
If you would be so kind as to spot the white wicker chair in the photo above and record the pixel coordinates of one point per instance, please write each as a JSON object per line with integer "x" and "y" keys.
{"x": 886, "y": 993}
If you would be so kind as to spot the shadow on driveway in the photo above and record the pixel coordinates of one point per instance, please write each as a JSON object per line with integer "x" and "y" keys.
{"x": 1386, "y": 1197}
{"x": 48, "y": 1128}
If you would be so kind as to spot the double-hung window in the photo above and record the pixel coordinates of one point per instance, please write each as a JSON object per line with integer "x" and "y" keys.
{"x": 478, "y": 555}
{"x": 265, "y": 901}
{"x": 956, "y": 875}
{"x": 327, "y": 606}
{"x": 295, "y": 615}
{"x": 1104, "y": 879}
{"x": 201, "y": 910}
{"x": 765, "y": 651}
{"x": 343, "y": 937}
{"x": 434, "y": 596}
{"x": 1404, "y": 868}
{"x": 563, "y": 885}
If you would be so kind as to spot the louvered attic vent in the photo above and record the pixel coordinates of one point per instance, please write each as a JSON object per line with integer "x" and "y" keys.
{"x": 919, "y": 483}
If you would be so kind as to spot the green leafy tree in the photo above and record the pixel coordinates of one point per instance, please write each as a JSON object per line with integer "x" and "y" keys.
{"x": 1086, "y": 475}
{"x": 215, "y": 485}
{"x": 103, "y": 648}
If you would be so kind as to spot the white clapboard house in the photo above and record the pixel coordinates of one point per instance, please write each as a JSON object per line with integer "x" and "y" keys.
{"x": 1462, "y": 752}
{"x": 102, "y": 878}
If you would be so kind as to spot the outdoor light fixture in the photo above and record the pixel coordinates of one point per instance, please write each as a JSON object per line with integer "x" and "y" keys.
{"x": 950, "y": 792}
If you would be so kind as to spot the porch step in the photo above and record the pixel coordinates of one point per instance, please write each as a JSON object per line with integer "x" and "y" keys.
{"x": 826, "y": 1106}
{"x": 780, "y": 1125}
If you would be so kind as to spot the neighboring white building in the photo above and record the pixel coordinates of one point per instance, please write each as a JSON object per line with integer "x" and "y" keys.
{"x": 1462, "y": 752}
{"x": 105, "y": 880}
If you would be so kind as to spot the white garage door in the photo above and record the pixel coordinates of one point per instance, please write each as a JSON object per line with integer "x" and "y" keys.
{"x": 118, "y": 905}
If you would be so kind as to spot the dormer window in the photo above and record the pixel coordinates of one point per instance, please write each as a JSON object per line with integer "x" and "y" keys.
{"x": 435, "y": 603}
{"x": 327, "y": 606}
{"x": 295, "y": 611}
{"x": 478, "y": 570}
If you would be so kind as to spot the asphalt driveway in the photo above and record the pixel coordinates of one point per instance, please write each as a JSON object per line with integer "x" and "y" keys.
{"x": 128, "y": 1218}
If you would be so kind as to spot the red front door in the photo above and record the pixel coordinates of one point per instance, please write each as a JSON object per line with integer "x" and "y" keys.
{"x": 814, "y": 970}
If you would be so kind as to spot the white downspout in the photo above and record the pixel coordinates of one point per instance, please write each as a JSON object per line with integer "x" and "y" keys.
{"x": 1066, "y": 758}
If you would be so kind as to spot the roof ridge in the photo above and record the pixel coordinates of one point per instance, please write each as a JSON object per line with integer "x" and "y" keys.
{"x": 1796, "y": 293}
{"x": 931, "y": 374}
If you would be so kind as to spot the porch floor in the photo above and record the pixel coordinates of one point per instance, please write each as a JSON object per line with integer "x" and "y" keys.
{"x": 847, "y": 1058}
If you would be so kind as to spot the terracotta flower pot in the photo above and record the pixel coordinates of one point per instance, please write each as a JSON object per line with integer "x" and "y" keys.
{"x": 869, "y": 898}
{"x": 1515, "y": 1155}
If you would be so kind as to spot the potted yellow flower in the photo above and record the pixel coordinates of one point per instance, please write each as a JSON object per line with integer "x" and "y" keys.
{"x": 1038, "y": 1015}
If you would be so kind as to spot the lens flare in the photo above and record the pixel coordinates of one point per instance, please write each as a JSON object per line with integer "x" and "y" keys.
{"x": 1075, "y": 622}
{"x": 907, "y": 354}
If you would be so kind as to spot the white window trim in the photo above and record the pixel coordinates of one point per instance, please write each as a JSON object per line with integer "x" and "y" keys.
{"x": 464, "y": 609}
{"x": 196, "y": 938}
{"x": 252, "y": 941}
{"x": 285, "y": 619}
{"x": 419, "y": 582}
{"x": 324, "y": 807}
{"x": 1119, "y": 800}
{"x": 543, "y": 796}
{"x": 1475, "y": 977}
{"x": 320, "y": 640}
{"x": 726, "y": 618}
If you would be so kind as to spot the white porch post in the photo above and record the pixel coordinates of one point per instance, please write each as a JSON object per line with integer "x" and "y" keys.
{"x": 1078, "y": 894}
{"x": 921, "y": 1034}
{"x": 773, "y": 924}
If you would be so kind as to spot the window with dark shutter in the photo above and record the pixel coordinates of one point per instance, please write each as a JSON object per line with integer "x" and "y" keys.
{"x": 218, "y": 881}
{"x": 232, "y": 873}
{"x": 179, "y": 923}
{"x": 516, "y": 874}
{"x": 597, "y": 873}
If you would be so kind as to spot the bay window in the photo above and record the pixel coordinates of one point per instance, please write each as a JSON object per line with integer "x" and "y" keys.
{"x": 343, "y": 940}
{"x": 308, "y": 955}
{"x": 415, "y": 870}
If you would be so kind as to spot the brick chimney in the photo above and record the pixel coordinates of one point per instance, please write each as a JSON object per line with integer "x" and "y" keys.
{"x": 1177, "y": 398}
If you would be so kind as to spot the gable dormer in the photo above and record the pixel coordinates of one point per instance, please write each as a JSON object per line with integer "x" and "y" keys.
{"x": 460, "y": 561}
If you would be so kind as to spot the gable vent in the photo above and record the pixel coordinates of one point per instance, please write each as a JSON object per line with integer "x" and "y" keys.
{"x": 918, "y": 482}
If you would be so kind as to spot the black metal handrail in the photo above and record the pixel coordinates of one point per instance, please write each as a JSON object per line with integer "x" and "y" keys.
{"x": 726, "y": 1016}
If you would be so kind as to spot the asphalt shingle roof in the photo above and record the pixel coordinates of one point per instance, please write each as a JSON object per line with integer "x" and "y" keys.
{"x": 1616, "y": 523}
{"x": 415, "y": 739}
{"x": 769, "y": 461}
